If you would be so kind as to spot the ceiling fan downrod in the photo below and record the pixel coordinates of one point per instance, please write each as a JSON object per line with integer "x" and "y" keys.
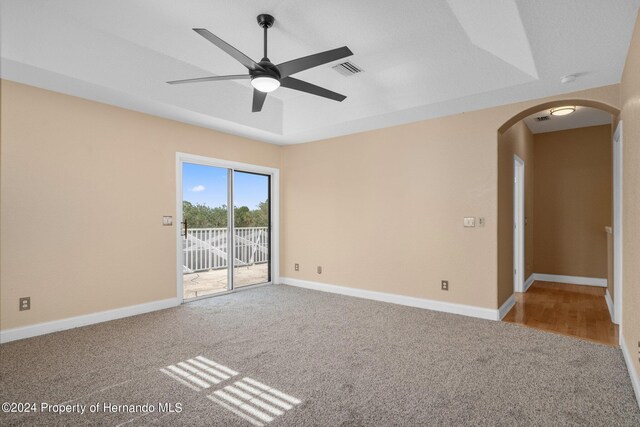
{"x": 265, "y": 21}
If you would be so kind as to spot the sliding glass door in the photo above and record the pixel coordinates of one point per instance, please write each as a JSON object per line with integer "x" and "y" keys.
{"x": 251, "y": 228}
{"x": 224, "y": 248}
{"x": 205, "y": 224}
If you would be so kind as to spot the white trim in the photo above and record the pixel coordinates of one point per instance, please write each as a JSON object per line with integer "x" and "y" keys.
{"x": 607, "y": 298}
{"x": 447, "y": 307}
{"x": 572, "y": 280}
{"x": 246, "y": 167}
{"x": 84, "y": 320}
{"x": 529, "y": 282}
{"x": 628, "y": 358}
{"x": 226, "y": 164}
{"x": 275, "y": 226}
{"x": 518, "y": 224}
{"x": 617, "y": 224}
{"x": 179, "y": 219}
{"x": 507, "y": 306}
{"x": 231, "y": 239}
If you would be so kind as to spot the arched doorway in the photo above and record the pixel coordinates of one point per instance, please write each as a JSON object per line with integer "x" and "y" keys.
{"x": 558, "y": 103}
{"x": 510, "y": 149}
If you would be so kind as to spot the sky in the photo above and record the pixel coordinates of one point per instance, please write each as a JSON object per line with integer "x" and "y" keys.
{"x": 208, "y": 185}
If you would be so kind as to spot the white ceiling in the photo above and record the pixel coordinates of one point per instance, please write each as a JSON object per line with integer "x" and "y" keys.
{"x": 582, "y": 117}
{"x": 422, "y": 59}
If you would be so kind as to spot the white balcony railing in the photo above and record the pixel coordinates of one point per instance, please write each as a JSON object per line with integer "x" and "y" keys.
{"x": 206, "y": 248}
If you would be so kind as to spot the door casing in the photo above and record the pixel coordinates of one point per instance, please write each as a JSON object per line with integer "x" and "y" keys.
{"x": 274, "y": 202}
{"x": 617, "y": 225}
{"x": 518, "y": 224}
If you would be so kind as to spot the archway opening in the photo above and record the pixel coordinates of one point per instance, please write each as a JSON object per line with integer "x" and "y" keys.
{"x": 558, "y": 234}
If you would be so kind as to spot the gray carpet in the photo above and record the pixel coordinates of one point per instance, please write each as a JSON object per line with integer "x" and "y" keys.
{"x": 349, "y": 362}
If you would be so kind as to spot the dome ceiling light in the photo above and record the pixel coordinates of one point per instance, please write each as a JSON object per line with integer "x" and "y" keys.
{"x": 562, "y": 111}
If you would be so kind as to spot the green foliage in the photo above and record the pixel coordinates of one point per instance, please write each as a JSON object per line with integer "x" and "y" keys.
{"x": 203, "y": 216}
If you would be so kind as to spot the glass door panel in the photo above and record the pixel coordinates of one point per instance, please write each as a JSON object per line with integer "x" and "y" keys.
{"x": 205, "y": 242}
{"x": 252, "y": 229}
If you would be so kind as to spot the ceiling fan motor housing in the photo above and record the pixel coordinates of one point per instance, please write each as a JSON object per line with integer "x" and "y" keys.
{"x": 269, "y": 70}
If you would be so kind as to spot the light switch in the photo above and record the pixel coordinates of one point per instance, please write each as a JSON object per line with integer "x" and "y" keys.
{"x": 167, "y": 220}
{"x": 469, "y": 222}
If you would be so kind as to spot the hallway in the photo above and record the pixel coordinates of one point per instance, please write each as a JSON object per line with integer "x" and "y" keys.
{"x": 573, "y": 310}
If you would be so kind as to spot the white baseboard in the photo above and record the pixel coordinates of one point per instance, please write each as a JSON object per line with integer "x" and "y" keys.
{"x": 607, "y": 298}
{"x": 628, "y": 358}
{"x": 529, "y": 282}
{"x": 572, "y": 280}
{"x": 507, "y": 306}
{"x": 448, "y": 307}
{"x": 84, "y": 320}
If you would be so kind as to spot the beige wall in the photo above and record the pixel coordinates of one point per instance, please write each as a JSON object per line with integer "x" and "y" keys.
{"x": 516, "y": 140}
{"x": 383, "y": 210}
{"x": 572, "y": 201}
{"x": 84, "y": 187}
{"x": 630, "y": 116}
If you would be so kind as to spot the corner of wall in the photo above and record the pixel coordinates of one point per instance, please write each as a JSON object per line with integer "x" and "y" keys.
{"x": 630, "y": 116}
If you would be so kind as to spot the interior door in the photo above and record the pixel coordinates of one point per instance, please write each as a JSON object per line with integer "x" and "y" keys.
{"x": 518, "y": 224}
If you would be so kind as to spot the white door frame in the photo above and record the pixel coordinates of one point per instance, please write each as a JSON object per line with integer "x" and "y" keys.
{"x": 243, "y": 167}
{"x": 518, "y": 224}
{"x": 617, "y": 224}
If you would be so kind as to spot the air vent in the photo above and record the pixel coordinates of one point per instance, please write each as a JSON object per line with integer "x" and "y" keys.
{"x": 347, "y": 69}
{"x": 542, "y": 118}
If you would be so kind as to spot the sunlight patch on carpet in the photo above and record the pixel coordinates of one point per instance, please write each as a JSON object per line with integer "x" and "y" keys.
{"x": 198, "y": 373}
{"x": 254, "y": 401}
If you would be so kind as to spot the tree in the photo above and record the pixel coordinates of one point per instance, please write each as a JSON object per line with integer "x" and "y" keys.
{"x": 242, "y": 217}
{"x": 261, "y": 215}
{"x": 203, "y": 216}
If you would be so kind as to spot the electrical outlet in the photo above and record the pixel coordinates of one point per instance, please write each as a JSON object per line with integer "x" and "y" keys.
{"x": 319, "y": 270}
{"x": 444, "y": 285}
{"x": 481, "y": 221}
{"x": 25, "y": 303}
{"x": 469, "y": 221}
{"x": 297, "y": 267}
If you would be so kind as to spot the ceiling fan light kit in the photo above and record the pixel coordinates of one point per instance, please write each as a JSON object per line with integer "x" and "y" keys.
{"x": 266, "y": 76}
{"x": 265, "y": 84}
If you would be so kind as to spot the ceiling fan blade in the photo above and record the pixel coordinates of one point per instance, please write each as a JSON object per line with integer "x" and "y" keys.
{"x": 210, "y": 79}
{"x": 258, "y": 100}
{"x": 235, "y": 53}
{"x": 303, "y": 86}
{"x": 295, "y": 66}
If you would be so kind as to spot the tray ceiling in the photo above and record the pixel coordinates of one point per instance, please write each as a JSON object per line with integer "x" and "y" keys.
{"x": 420, "y": 59}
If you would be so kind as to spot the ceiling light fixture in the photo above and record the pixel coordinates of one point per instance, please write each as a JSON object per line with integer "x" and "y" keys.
{"x": 265, "y": 83}
{"x": 562, "y": 111}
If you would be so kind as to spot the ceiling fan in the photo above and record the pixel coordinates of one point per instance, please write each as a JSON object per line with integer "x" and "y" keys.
{"x": 266, "y": 76}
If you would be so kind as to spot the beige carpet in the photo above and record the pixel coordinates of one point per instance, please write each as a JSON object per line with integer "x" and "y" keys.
{"x": 297, "y": 357}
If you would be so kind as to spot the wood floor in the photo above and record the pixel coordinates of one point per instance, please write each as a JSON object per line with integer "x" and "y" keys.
{"x": 578, "y": 311}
